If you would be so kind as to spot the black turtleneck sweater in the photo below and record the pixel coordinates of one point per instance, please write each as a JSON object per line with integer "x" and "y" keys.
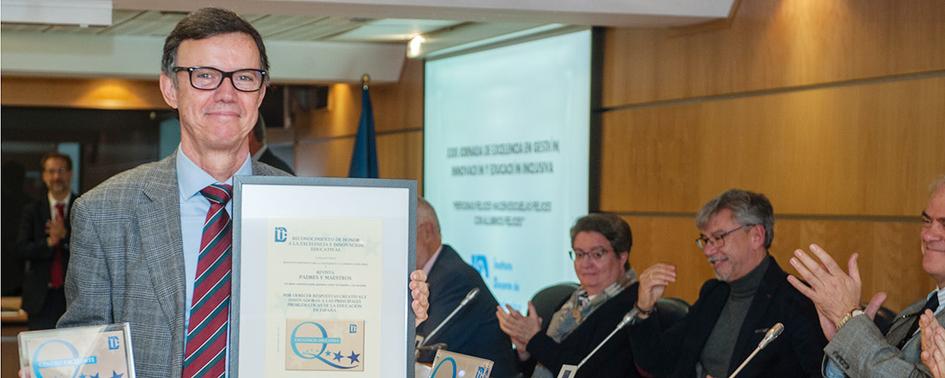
{"x": 718, "y": 348}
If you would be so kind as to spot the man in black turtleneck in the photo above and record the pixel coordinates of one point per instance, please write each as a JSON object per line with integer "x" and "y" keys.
{"x": 734, "y": 311}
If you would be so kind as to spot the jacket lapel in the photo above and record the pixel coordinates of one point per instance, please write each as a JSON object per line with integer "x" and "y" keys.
{"x": 756, "y": 315}
{"x": 704, "y": 317}
{"x": 904, "y": 321}
{"x": 434, "y": 280}
{"x": 44, "y": 213}
{"x": 159, "y": 226}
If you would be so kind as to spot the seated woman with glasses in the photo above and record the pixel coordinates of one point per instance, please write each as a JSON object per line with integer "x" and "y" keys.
{"x": 601, "y": 250}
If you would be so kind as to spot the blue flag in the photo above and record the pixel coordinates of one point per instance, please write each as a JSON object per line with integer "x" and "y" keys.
{"x": 364, "y": 158}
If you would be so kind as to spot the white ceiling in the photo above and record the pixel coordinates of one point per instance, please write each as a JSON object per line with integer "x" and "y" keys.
{"x": 308, "y": 40}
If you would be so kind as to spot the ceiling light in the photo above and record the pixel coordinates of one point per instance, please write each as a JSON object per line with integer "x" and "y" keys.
{"x": 413, "y": 47}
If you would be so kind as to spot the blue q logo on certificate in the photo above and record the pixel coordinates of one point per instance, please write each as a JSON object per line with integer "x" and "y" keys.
{"x": 320, "y": 345}
{"x": 97, "y": 351}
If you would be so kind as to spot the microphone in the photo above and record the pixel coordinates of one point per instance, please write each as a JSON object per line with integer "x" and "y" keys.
{"x": 772, "y": 334}
{"x": 623, "y": 322}
{"x": 571, "y": 370}
{"x": 469, "y": 297}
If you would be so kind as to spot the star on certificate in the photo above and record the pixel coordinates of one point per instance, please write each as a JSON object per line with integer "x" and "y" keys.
{"x": 353, "y": 357}
{"x": 338, "y": 356}
{"x": 116, "y": 375}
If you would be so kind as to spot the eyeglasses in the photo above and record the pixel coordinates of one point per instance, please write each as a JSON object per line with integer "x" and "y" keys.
{"x": 717, "y": 241}
{"x": 56, "y": 170}
{"x": 209, "y": 78}
{"x": 595, "y": 254}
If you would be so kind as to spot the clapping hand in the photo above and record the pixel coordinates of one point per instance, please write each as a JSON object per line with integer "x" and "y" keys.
{"x": 520, "y": 328}
{"x": 933, "y": 344}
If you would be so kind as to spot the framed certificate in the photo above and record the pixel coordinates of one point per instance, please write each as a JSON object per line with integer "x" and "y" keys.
{"x": 94, "y": 351}
{"x": 320, "y": 274}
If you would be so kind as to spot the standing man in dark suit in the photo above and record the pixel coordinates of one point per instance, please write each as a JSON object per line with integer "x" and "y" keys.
{"x": 152, "y": 245}
{"x": 734, "y": 311}
{"x": 259, "y": 148}
{"x": 43, "y": 244}
{"x": 474, "y": 330}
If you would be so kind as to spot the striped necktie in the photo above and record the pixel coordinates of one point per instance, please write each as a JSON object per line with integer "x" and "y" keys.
{"x": 205, "y": 349}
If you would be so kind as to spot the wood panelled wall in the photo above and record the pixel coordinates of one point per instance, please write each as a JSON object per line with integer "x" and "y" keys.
{"x": 835, "y": 109}
{"x": 325, "y": 138}
{"x": 82, "y": 93}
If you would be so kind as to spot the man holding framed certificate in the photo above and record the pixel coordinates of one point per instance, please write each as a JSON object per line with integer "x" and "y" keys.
{"x": 152, "y": 246}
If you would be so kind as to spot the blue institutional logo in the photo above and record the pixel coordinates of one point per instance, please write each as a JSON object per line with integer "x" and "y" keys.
{"x": 281, "y": 235}
{"x": 113, "y": 342}
{"x": 481, "y": 264}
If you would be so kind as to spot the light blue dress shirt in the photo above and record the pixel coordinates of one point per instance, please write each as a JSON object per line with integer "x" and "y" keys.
{"x": 191, "y": 179}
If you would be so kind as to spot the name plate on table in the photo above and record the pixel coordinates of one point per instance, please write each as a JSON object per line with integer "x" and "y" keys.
{"x": 321, "y": 268}
{"x": 95, "y": 351}
{"x": 567, "y": 371}
{"x": 455, "y": 365}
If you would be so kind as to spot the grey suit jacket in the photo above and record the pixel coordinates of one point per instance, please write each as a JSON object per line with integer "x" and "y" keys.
{"x": 127, "y": 263}
{"x": 862, "y": 351}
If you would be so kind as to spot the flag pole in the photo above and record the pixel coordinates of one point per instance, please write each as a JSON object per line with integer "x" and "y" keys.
{"x": 364, "y": 155}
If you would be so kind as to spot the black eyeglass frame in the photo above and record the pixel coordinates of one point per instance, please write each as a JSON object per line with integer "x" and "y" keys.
{"x": 719, "y": 241}
{"x": 223, "y": 75}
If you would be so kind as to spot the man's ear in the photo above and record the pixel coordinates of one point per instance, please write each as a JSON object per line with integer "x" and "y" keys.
{"x": 758, "y": 235}
{"x": 168, "y": 90}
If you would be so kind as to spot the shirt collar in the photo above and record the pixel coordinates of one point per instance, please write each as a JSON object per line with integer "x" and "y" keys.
{"x": 429, "y": 265}
{"x": 941, "y": 298}
{"x": 192, "y": 179}
{"x": 53, "y": 202}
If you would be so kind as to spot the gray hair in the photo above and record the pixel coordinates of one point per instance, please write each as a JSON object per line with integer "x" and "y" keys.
{"x": 939, "y": 184}
{"x": 748, "y": 208}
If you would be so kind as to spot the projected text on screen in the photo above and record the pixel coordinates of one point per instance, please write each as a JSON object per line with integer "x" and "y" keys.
{"x": 506, "y": 139}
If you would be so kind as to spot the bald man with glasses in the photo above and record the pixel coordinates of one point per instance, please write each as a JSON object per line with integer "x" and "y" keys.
{"x": 734, "y": 311}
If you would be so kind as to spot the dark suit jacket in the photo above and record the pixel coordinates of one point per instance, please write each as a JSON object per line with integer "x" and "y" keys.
{"x": 475, "y": 329}
{"x": 614, "y": 359}
{"x": 797, "y": 352}
{"x": 37, "y": 256}
{"x": 128, "y": 263}
{"x": 270, "y": 158}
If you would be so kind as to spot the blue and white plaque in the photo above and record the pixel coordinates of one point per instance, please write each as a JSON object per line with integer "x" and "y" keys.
{"x": 86, "y": 352}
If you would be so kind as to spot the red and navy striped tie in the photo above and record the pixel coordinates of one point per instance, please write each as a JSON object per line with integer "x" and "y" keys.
{"x": 205, "y": 351}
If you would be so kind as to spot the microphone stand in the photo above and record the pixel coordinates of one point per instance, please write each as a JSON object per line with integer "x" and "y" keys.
{"x": 772, "y": 334}
{"x": 568, "y": 371}
{"x": 626, "y": 319}
{"x": 469, "y": 297}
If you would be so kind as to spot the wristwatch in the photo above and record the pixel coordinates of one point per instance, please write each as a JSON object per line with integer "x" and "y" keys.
{"x": 848, "y": 316}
